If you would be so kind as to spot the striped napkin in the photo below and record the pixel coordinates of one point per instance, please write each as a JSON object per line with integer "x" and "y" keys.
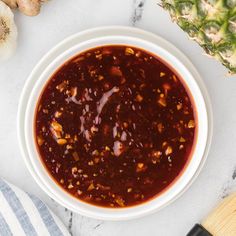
{"x": 24, "y": 214}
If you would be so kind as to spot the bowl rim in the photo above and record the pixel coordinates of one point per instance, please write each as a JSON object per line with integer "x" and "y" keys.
{"x": 109, "y": 213}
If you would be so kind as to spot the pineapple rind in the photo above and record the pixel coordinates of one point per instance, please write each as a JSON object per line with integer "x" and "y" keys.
{"x": 211, "y": 23}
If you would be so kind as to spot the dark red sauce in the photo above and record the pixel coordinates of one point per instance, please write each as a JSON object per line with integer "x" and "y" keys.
{"x": 115, "y": 126}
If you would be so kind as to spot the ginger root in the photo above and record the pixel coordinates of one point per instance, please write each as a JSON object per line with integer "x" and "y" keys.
{"x": 27, "y": 7}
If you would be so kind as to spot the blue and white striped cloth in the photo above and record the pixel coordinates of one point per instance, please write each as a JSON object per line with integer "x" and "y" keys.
{"x": 24, "y": 214}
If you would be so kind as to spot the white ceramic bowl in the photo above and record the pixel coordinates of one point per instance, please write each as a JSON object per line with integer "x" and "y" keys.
{"x": 203, "y": 135}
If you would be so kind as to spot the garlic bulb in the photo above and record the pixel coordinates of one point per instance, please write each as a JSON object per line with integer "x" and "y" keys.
{"x": 8, "y": 32}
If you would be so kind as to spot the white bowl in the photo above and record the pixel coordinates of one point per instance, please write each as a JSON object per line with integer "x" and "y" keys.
{"x": 203, "y": 111}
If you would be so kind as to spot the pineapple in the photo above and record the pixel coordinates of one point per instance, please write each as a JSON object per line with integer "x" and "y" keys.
{"x": 212, "y": 23}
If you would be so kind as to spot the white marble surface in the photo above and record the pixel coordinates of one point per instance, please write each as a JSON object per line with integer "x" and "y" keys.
{"x": 61, "y": 18}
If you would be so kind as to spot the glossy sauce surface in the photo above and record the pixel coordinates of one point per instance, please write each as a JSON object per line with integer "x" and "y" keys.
{"x": 115, "y": 126}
